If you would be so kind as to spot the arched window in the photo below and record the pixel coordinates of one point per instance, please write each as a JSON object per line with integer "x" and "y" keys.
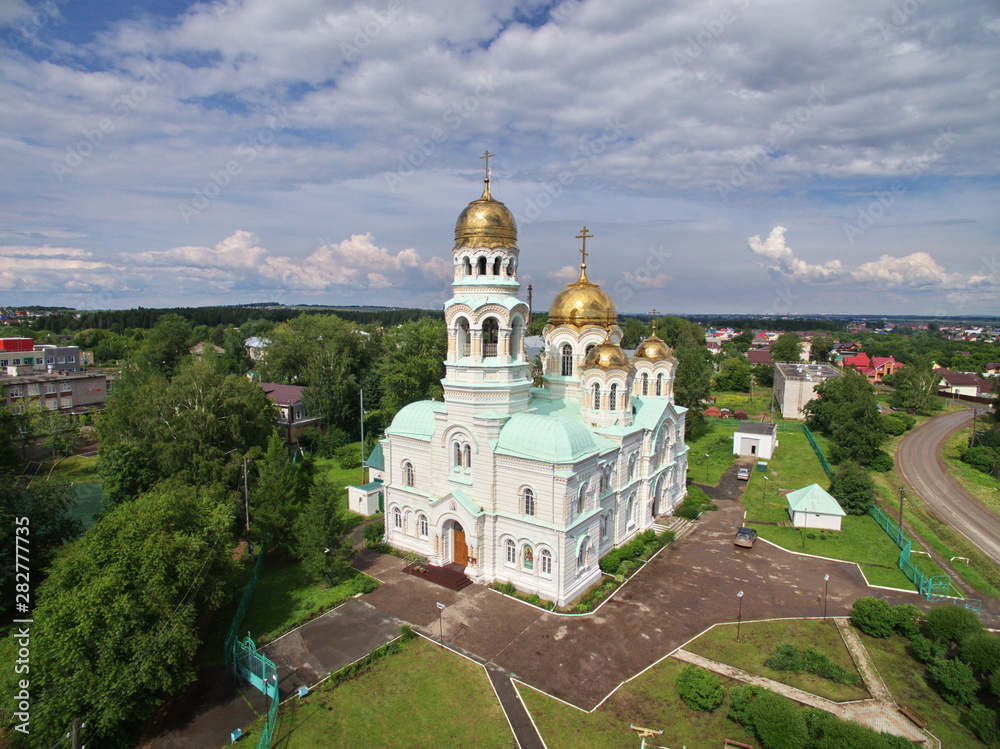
{"x": 496, "y": 267}
{"x": 510, "y": 267}
{"x": 516, "y": 335}
{"x": 528, "y": 557}
{"x": 422, "y": 526}
{"x": 491, "y": 334}
{"x": 581, "y": 499}
{"x": 589, "y": 349}
{"x": 659, "y": 384}
{"x": 463, "y": 338}
{"x": 546, "y": 562}
{"x": 613, "y": 398}
{"x": 528, "y": 501}
{"x": 604, "y": 527}
{"x": 597, "y": 397}
{"x": 510, "y": 551}
{"x": 583, "y": 556}
{"x": 397, "y": 518}
{"x": 481, "y": 266}
{"x": 467, "y": 454}
{"x": 631, "y": 467}
{"x": 466, "y": 267}
{"x": 630, "y": 511}
{"x": 645, "y": 384}
{"x": 566, "y": 369}
{"x": 408, "y": 475}
{"x": 458, "y": 455}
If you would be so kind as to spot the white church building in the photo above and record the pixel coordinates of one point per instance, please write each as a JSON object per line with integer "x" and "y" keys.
{"x": 532, "y": 485}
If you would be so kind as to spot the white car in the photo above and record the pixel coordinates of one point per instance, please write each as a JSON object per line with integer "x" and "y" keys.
{"x": 743, "y": 474}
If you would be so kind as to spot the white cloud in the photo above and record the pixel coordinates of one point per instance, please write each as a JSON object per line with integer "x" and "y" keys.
{"x": 647, "y": 281}
{"x": 784, "y": 261}
{"x": 566, "y": 274}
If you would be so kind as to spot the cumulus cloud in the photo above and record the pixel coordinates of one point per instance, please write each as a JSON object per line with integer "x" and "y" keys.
{"x": 55, "y": 269}
{"x": 566, "y": 274}
{"x": 918, "y": 270}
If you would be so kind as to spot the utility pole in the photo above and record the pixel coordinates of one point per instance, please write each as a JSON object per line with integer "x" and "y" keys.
{"x": 362, "y": 395}
{"x": 902, "y": 495}
{"x": 246, "y": 493}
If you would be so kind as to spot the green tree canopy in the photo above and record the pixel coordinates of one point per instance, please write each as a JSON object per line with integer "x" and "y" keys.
{"x": 166, "y": 344}
{"x": 819, "y": 351}
{"x": 787, "y": 348}
{"x": 411, "y": 366}
{"x": 736, "y": 374}
{"x": 278, "y": 494}
{"x": 318, "y": 531}
{"x": 916, "y": 387}
{"x": 846, "y": 409}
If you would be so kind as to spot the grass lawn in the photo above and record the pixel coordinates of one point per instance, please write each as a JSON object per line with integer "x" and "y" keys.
{"x": 422, "y": 696}
{"x": 759, "y": 641}
{"x": 649, "y": 700}
{"x": 714, "y": 439}
{"x": 907, "y": 679}
{"x": 981, "y": 485}
{"x": 341, "y": 477}
{"x": 860, "y": 539}
{"x": 754, "y": 407}
{"x": 73, "y": 470}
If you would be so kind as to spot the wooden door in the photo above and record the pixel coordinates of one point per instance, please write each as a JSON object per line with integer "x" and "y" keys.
{"x": 461, "y": 550}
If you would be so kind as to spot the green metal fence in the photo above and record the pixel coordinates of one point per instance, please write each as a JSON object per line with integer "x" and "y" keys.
{"x": 241, "y": 610}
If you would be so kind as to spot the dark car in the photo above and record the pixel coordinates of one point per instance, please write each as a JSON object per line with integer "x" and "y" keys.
{"x": 745, "y": 537}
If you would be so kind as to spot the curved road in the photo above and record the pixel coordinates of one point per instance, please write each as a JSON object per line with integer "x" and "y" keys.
{"x": 922, "y": 467}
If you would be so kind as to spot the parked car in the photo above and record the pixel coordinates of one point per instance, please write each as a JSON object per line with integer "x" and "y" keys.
{"x": 745, "y": 537}
{"x": 743, "y": 474}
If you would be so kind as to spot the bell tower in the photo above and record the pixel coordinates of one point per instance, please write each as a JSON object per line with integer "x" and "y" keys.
{"x": 486, "y": 367}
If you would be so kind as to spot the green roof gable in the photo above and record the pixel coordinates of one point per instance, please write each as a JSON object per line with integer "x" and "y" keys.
{"x": 815, "y": 500}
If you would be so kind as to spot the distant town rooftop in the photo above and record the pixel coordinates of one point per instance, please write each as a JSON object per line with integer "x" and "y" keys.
{"x": 808, "y": 372}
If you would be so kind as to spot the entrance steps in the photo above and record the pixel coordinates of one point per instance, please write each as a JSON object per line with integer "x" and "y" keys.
{"x": 451, "y": 576}
{"x": 679, "y": 526}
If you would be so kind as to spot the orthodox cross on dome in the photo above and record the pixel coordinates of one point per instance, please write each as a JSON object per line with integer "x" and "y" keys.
{"x": 583, "y": 249}
{"x": 486, "y": 176}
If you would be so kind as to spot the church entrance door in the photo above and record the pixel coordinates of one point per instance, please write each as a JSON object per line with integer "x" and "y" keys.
{"x": 458, "y": 543}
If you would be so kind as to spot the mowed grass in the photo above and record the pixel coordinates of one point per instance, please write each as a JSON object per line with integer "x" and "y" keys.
{"x": 423, "y": 697}
{"x": 342, "y": 477}
{"x": 649, "y": 700}
{"x": 759, "y": 641}
{"x": 908, "y": 681}
{"x": 73, "y": 470}
{"x": 714, "y": 439}
{"x": 754, "y": 407}
{"x": 981, "y": 485}
{"x": 794, "y": 466}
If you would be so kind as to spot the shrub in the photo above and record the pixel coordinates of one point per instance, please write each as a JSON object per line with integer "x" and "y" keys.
{"x": 348, "y": 456}
{"x": 924, "y": 649}
{"x": 905, "y": 619}
{"x": 810, "y": 661}
{"x": 373, "y": 533}
{"x": 898, "y": 423}
{"x": 740, "y": 700}
{"x": 873, "y": 616}
{"x": 982, "y": 652}
{"x": 853, "y": 488}
{"x": 983, "y": 722}
{"x": 700, "y": 689}
{"x": 995, "y": 683}
{"x": 882, "y": 462}
{"x": 951, "y": 623}
{"x": 981, "y": 458}
{"x": 777, "y": 722}
{"x": 954, "y": 681}
{"x": 827, "y": 731}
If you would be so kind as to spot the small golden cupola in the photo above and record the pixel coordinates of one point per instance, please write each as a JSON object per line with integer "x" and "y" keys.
{"x": 607, "y": 356}
{"x": 486, "y": 222}
{"x": 653, "y": 349}
{"x": 583, "y": 303}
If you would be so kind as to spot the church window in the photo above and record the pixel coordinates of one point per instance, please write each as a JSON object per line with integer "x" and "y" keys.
{"x": 496, "y": 267}
{"x": 467, "y": 454}
{"x": 510, "y": 267}
{"x": 528, "y": 555}
{"x": 631, "y": 467}
{"x": 510, "y": 551}
{"x": 613, "y": 398}
{"x": 630, "y": 511}
{"x": 567, "y": 361}
{"x": 422, "y": 525}
{"x": 481, "y": 266}
{"x": 583, "y": 556}
{"x": 491, "y": 334}
{"x": 397, "y": 518}
{"x": 458, "y": 455}
{"x": 604, "y": 528}
{"x": 408, "y": 476}
{"x": 546, "y": 562}
{"x": 581, "y": 499}
{"x": 466, "y": 267}
{"x": 589, "y": 348}
{"x": 645, "y": 383}
{"x": 463, "y": 338}
{"x": 528, "y": 501}
{"x": 597, "y": 397}
{"x": 659, "y": 384}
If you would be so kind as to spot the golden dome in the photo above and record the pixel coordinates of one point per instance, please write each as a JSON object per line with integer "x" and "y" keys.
{"x": 485, "y": 223}
{"x": 607, "y": 356}
{"x": 653, "y": 349}
{"x": 583, "y": 303}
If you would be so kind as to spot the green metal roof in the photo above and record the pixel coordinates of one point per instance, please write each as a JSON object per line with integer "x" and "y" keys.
{"x": 553, "y": 439}
{"x": 376, "y": 459}
{"x": 815, "y": 500}
{"x": 416, "y": 420}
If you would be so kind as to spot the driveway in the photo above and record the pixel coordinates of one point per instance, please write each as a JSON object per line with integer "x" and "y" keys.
{"x": 919, "y": 461}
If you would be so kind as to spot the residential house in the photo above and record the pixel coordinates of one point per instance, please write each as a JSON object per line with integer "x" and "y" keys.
{"x": 293, "y": 418}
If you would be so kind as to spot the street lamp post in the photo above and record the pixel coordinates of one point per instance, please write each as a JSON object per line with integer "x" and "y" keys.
{"x": 901, "y": 496}
{"x": 763, "y": 491}
{"x": 739, "y": 615}
{"x": 826, "y": 592}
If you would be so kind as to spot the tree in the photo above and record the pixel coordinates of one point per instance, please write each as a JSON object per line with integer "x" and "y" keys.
{"x": 318, "y": 532}
{"x": 735, "y": 376}
{"x": 847, "y": 410}
{"x": 59, "y": 432}
{"x": 951, "y": 623}
{"x": 954, "y": 680}
{"x": 411, "y": 365}
{"x": 873, "y": 616}
{"x": 693, "y": 381}
{"x": 700, "y": 689}
{"x": 983, "y": 722}
{"x": 820, "y": 349}
{"x": 787, "y": 348}
{"x": 126, "y": 470}
{"x": 634, "y": 332}
{"x": 853, "y": 489}
{"x": 115, "y": 626}
{"x": 764, "y": 374}
{"x": 981, "y": 651}
{"x": 166, "y": 344}
{"x": 916, "y": 387}
{"x": 277, "y": 497}
{"x": 235, "y": 360}
{"x": 9, "y": 437}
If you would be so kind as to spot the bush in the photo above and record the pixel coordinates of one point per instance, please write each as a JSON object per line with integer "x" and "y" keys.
{"x": 853, "y": 488}
{"x": 882, "y": 462}
{"x": 827, "y": 731}
{"x": 951, "y": 623}
{"x": 954, "y": 681}
{"x": 981, "y": 458}
{"x": 810, "y": 661}
{"x": 924, "y": 649}
{"x": 641, "y": 547}
{"x": 983, "y": 723}
{"x": 873, "y": 616}
{"x": 982, "y": 652}
{"x": 898, "y": 423}
{"x": 348, "y": 456}
{"x": 740, "y": 700}
{"x": 905, "y": 619}
{"x": 700, "y": 689}
{"x": 373, "y": 533}
{"x": 695, "y": 503}
{"x": 778, "y": 722}
{"x": 995, "y": 683}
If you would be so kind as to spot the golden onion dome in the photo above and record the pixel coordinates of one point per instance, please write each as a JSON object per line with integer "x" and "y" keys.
{"x": 653, "y": 349}
{"x": 606, "y": 356}
{"x": 485, "y": 223}
{"x": 583, "y": 303}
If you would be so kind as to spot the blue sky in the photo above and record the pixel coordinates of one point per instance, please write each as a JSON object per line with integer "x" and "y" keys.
{"x": 735, "y": 156}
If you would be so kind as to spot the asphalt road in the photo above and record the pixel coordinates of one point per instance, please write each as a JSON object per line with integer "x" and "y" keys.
{"x": 922, "y": 467}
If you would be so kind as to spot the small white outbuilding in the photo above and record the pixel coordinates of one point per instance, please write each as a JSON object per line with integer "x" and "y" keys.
{"x": 755, "y": 438}
{"x": 812, "y": 507}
